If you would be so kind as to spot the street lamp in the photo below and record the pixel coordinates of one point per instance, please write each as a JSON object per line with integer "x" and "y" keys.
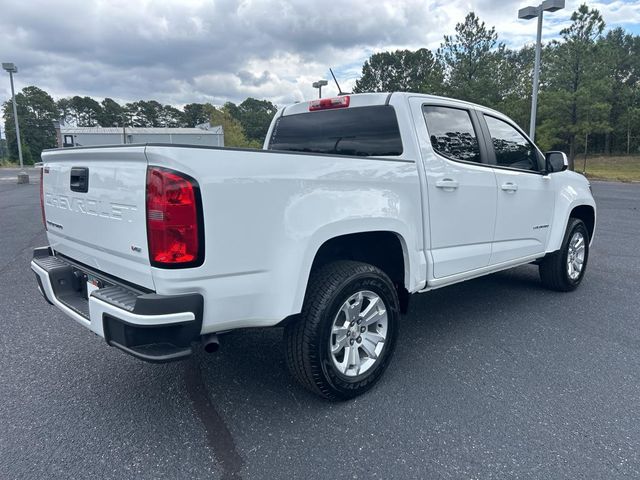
{"x": 319, "y": 84}
{"x": 11, "y": 68}
{"x": 527, "y": 13}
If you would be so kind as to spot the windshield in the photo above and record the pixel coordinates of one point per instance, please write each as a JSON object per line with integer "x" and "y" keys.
{"x": 360, "y": 131}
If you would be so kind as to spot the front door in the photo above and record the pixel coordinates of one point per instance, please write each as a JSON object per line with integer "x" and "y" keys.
{"x": 460, "y": 203}
{"x": 525, "y": 195}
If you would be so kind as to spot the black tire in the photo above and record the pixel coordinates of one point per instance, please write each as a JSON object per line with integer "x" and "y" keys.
{"x": 553, "y": 268}
{"x": 307, "y": 340}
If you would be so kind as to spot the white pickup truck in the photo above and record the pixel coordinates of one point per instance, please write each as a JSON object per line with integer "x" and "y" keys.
{"x": 354, "y": 203}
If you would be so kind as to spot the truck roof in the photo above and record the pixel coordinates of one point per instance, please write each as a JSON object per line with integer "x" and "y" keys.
{"x": 381, "y": 98}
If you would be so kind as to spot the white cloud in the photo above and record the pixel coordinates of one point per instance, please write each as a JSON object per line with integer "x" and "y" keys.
{"x": 217, "y": 50}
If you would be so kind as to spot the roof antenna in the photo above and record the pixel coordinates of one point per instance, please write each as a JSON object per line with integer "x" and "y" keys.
{"x": 340, "y": 92}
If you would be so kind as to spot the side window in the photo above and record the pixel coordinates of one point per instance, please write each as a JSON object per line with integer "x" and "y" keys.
{"x": 511, "y": 147}
{"x": 451, "y": 133}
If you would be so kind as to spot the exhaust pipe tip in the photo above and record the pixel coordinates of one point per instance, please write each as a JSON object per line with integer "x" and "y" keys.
{"x": 211, "y": 343}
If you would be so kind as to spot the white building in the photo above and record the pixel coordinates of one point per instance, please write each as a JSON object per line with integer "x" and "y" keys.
{"x": 86, "y": 136}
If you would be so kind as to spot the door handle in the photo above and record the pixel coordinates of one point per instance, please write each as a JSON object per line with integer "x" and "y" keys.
{"x": 447, "y": 184}
{"x": 79, "y": 179}
{"x": 509, "y": 187}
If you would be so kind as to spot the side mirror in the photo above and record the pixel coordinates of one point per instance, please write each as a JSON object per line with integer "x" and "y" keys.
{"x": 556, "y": 161}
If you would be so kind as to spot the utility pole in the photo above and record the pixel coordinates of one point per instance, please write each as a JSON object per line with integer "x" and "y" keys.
{"x": 319, "y": 84}
{"x": 23, "y": 177}
{"x": 528, "y": 13}
{"x": 536, "y": 80}
{"x": 124, "y": 128}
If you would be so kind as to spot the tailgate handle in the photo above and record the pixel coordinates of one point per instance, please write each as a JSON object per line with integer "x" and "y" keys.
{"x": 79, "y": 181}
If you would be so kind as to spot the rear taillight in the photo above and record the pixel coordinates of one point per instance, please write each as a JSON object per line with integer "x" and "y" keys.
{"x": 329, "y": 103}
{"x": 44, "y": 218}
{"x": 174, "y": 226}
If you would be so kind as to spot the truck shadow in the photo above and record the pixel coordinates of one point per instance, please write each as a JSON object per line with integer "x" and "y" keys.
{"x": 250, "y": 364}
{"x": 243, "y": 395}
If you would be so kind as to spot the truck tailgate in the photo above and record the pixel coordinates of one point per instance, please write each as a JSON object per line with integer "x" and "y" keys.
{"x": 94, "y": 202}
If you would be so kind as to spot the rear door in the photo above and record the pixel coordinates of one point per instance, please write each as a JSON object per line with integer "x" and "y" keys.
{"x": 525, "y": 195}
{"x": 95, "y": 209}
{"x": 461, "y": 187}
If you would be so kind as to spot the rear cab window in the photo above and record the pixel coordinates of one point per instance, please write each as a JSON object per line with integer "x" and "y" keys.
{"x": 369, "y": 131}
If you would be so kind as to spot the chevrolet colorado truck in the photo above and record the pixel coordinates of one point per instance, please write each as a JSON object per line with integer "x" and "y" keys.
{"x": 353, "y": 204}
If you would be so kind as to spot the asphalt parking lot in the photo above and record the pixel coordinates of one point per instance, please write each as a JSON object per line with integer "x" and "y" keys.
{"x": 493, "y": 378}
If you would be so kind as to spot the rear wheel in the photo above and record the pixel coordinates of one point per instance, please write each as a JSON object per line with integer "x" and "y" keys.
{"x": 563, "y": 270}
{"x": 346, "y": 334}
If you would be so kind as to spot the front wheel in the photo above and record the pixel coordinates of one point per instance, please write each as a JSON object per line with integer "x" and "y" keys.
{"x": 563, "y": 270}
{"x": 344, "y": 339}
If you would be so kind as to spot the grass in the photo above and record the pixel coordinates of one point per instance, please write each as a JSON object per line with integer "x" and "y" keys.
{"x": 617, "y": 169}
{"x": 5, "y": 163}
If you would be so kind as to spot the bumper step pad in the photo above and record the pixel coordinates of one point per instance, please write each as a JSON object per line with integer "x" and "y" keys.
{"x": 133, "y": 324}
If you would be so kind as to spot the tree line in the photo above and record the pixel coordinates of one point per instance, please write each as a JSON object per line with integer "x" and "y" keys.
{"x": 589, "y": 97}
{"x": 244, "y": 124}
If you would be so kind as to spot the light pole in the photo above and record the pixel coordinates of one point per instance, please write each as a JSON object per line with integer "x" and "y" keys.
{"x": 11, "y": 68}
{"x": 319, "y": 84}
{"x": 527, "y": 13}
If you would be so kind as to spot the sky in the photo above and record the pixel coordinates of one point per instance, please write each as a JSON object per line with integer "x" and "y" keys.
{"x": 215, "y": 51}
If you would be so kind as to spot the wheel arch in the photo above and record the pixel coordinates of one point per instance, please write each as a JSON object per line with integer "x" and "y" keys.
{"x": 384, "y": 248}
{"x": 582, "y": 210}
{"x": 587, "y": 214}
{"x": 573, "y": 199}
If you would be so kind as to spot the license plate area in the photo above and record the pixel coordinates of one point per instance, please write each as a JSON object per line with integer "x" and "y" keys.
{"x": 87, "y": 283}
{"x": 92, "y": 284}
